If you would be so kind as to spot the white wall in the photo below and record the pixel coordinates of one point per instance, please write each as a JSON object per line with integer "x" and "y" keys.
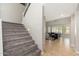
{"x": 1, "y": 44}
{"x": 0, "y": 10}
{"x": 73, "y": 34}
{"x": 77, "y": 30}
{"x": 11, "y": 12}
{"x": 33, "y": 22}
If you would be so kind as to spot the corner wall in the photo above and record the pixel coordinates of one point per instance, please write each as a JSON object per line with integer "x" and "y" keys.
{"x": 33, "y": 22}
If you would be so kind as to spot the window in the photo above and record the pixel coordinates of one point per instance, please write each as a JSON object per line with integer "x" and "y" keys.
{"x": 60, "y": 29}
{"x": 49, "y": 29}
{"x": 67, "y": 30}
{"x": 55, "y": 29}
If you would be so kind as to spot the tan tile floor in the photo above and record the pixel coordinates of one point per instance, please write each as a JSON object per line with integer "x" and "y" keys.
{"x": 60, "y": 47}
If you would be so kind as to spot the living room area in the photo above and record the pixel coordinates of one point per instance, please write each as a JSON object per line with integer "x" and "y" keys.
{"x": 58, "y": 29}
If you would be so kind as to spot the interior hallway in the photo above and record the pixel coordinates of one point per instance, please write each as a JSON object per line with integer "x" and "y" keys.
{"x": 59, "y": 47}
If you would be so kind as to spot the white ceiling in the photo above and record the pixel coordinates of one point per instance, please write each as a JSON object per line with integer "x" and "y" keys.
{"x": 54, "y": 11}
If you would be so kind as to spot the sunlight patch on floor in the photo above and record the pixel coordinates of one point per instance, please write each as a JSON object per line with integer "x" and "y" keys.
{"x": 67, "y": 42}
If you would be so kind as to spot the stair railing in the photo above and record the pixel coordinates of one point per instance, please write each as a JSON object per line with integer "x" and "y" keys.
{"x": 26, "y": 9}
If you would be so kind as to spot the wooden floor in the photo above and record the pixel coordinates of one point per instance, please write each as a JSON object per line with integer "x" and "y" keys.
{"x": 60, "y": 47}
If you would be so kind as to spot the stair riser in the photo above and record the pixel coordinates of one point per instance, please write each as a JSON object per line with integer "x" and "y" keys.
{"x": 21, "y": 51}
{"x": 14, "y": 33}
{"x": 10, "y": 34}
{"x": 11, "y": 46}
{"x": 29, "y": 51}
{"x": 17, "y": 38}
{"x": 5, "y": 24}
{"x": 37, "y": 52}
{"x": 13, "y": 29}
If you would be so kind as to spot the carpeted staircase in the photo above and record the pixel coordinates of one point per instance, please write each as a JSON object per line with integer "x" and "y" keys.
{"x": 17, "y": 41}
